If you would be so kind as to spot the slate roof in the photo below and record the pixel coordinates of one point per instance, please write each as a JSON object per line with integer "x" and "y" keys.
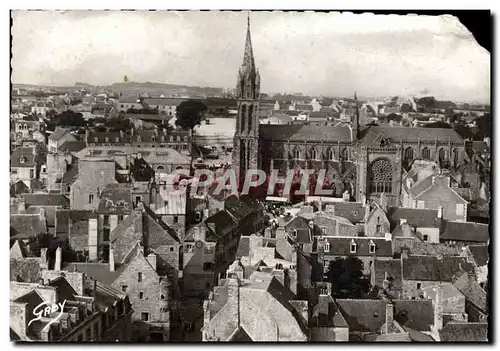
{"x": 421, "y": 186}
{"x": 57, "y": 134}
{"x": 301, "y": 225}
{"x": 369, "y": 315}
{"x": 304, "y": 132}
{"x": 393, "y": 269}
{"x": 466, "y": 231}
{"x": 303, "y": 107}
{"x": 480, "y": 147}
{"x": 46, "y": 200}
{"x": 219, "y": 225}
{"x": 243, "y": 247}
{"x": 25, "y": 269}
{"x": 353, "y": 211}
{"x": 464, "y": 332}
{"x": 97, "y": 271}
{"x": 139, "y": 136}
{"x": 415, "y": 217}
{"x": 163, "y": 101}
{"x": 341, "y": 246}
{"x": 480, "y": 254}
{"x": 326, "y": 314}
{"x": 73, "y": 146}
{"x": 472, "y": 291}
{"x": 26, "y": 153}
{"x": 411, "y": 134}
{"x": 431, "y": 268}
{"x": 25, "y": 226}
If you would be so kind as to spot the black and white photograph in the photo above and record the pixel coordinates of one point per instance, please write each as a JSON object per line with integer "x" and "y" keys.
{"x": 250, "y": 176}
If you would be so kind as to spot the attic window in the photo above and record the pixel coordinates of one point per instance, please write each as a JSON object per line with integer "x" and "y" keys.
{"x": 22, "y": 159}
{"x": 186, "y": 138}
{"x": 327, "y": 246}
{"x": 153, "y": 138}
{"x": 117, "y": 140}
{"x": 96, "y": 139}
{"x": 139, "y": 138}
{"x": 353, "y": 247}
{"x": 372, "y": 247}
{"x": 178, "y": 138}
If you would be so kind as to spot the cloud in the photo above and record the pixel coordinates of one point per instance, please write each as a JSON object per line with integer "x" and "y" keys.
{"x": 312, "y": 53}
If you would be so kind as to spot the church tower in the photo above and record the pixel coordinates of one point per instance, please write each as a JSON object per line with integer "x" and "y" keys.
{"x": 246, "y": 136}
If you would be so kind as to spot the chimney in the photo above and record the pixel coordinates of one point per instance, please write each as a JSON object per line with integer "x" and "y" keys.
{"x": 404, "y": 252}
{"x": 44, "y": 260}
{"x": 92, "y": 239}
{"x": 111, "y": 259}
{"x": 58, "y": 264}
{"x": 132, "y": 131}
{"x": 438, "y": 309}
{"x": 389, "y": 317}
{"x": 440, "y": 212}
{"x": 345, "y": 196}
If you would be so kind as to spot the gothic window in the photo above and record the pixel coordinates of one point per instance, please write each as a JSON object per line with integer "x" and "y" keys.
{"x": 381, "y": 176}
{"x": 344, "y": 154}
{"x": 313, "y": 154}
{"x": 408, "y": 154}
{"x": 250, "y": 117}
{"x": 330, "y": 154}
{"x": 243, "y": 117}
{"x": 296, "y": 153}
{"x": 426, "y": 153}
{"x": 442, "y": 154}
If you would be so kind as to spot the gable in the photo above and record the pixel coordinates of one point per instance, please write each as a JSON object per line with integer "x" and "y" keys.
{"x": 440, "y": 193}
{"x": 136, "y": 265}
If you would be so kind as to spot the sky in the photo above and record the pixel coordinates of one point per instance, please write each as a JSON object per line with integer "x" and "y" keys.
{"x": 330, "y": 54}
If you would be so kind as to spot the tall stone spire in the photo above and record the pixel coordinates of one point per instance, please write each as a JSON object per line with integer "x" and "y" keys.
{"x": 248, "y": 84}
{"x": 248, "y": 60}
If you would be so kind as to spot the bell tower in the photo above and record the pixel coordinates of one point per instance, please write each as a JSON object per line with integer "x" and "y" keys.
{"x": 246, "y": 136}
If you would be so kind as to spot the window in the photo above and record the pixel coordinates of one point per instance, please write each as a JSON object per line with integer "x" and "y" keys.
{"x": 344, "y": 154}
{"x": 68, "y": 188}
{"x": 96, "y": 140}
{"x": 372, "y": 248}
{"x": 326, "y": 263}
{"x": 189, "y": 248}
{"x": 145, "y": 316}
{"x": 419, "y": 286}
{"x": 426, "y": 154}
{"x": 353, "y": 247}
{"x": 327, "y": 246}
{"x": 91, "y": 198}
{"x": 139, "y": 138}
{"x": 460, "y": 209}
{"x": 117, "y": 140}
{"x": 22, "y": 159}
{"x": 141, "y": 295}
{"x": 314, "y": 154}
{"x": 296, "y": 153}
{"x": 380, "y": 176}
{"x": 105, "y": 234}
{"x": 176, "y": 219}
{"x": 106, "y": 220}
{"x": 162, "y": 297}
{"x": 408, "y": 154}
{"x": 32, "y": 173}
{"x": 197, "y": 216}
{"x": 323, "y": 230}
{"x": 330, "y": 154}
{"x": 172, "y": 249}
{"x": 106, "y": 140}
{"x": 138, "y": 199}
{"x": 120, "y": 217}
{"x": 153, "y": 138}
{"x": 139, "y": 277}
{"x": 124, "y": 288}
{"x": 379, "y": 228}
{"x": 420, "y": 204}
{"x": 425, "y": 237}
{"x": 208, "y": 266}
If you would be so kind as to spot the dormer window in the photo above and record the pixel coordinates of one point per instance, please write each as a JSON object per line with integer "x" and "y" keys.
{"x": 139, "y": 138}
{"x": 171, "y": 138}
{"x": 353, "y": 247}
{"x": 178, "y": 138}
{"x": 106, "y": 140}
{"x": 22, "y": 159}
{"x": 162, "y": 139}
{"x": 185, "y": 138}
{"x": 153, "y": 138}
{"x": 117, "y": 140}
{"x": 96, "y": 140}
{"x": 327, "y": 246}
{"x": 372, "y": 247}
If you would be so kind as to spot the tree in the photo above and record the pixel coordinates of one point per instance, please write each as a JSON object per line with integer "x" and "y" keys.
{"x": 438, "y": 124}
{"x": 346, "y": 277}
{"x": 190, "y": 113}
{"x": 67, "y": 118}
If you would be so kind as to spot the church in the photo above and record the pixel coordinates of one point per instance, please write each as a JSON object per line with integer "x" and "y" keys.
{"x": 365, "y": 161}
